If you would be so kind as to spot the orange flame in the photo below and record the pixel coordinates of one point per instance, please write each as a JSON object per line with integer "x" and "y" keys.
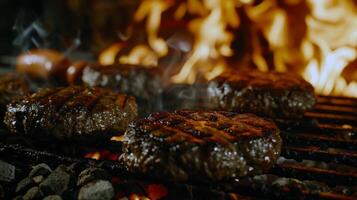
{"x": 325, "y": 44}
{"x": 212, "y": 40}
{"x": 332, "y": 28}
{"x": 93, "y": 155}
{"x": 107, "y": 56}
{"x": 152, "y": 10}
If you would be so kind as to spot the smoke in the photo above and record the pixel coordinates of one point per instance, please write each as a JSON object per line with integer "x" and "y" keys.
{"x": 32, "y": 31}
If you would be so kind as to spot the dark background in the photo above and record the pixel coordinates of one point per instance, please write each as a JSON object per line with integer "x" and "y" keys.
{"x": 58, "y": 24}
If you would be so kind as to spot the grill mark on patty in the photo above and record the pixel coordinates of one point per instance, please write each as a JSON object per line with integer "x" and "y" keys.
{"x": 182, "y": 126}
{"x": 208, "y": 132}
{"x": 45, "y": 93}
{"x": 60, "y": 97}
{"x": 178, "y": 135}
{"x": 157, "y": 146}
{"x": 121, "y": 100}
{"x": 236, "y": 130}
{"x": 86, "y": 99}
{"x": 60, "y": 105}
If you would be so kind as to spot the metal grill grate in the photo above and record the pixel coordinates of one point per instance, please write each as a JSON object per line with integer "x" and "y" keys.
{"x": 318, "y": 161}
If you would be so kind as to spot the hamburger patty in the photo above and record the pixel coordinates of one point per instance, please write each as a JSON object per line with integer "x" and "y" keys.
{"x": 76, "y": 113}
{"x": 134, "y": 80}
{"x": 12, "y": 86}
{"x": 201, "y": 145}
{"x": 272, "y": 94}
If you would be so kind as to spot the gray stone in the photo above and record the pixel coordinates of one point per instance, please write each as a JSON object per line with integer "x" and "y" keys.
{"x": 33, "y": 193}
{"x": 53, "y": 197}
{"x": 38, "y": 179}
{"x": 18, "y": 198}
{"x": 24, "y": 185}
{"x": 58, "y": 182}
{"x": 97, "y": 190}
{"x": 40, "y": 169}
{"x": 7, "y": 172}
{"x": 2, "y": 192}
{"x": 91, "y": 174}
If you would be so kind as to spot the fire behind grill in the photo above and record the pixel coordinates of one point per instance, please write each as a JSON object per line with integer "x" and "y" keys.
{"x": 318, "y": 161}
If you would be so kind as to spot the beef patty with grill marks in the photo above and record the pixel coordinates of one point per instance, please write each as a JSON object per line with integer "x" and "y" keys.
{"x": 200, "y": 145}
{"x": 12, "y": 86}
{"x": 271, "y": 94}
{"x": 76, "y": 113}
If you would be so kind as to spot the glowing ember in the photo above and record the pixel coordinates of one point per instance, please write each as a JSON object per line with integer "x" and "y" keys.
{"x": 156, "y": 191}
{"x": 93, "y": 155}
{"x": 102, "y": 155}
{"x": 138, "y": 197}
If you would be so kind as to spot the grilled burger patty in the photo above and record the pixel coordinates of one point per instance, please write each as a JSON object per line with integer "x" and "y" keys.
{"x": 12, "y": 86}
{"x": 272, "y": 94}
{"x": 76, "y": 113}
{"x": 135, "y": 80}
{"x": 200, "y": 145}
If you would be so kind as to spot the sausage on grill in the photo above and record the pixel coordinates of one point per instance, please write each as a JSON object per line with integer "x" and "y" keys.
{"x": 201, "y": 145}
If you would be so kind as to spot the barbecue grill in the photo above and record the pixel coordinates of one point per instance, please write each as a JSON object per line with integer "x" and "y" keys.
{"x": 318, "y": 161}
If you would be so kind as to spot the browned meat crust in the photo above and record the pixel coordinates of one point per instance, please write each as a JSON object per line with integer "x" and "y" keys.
{"x": 134, "y": 80}
{"x": 76, "y": 113}
{"x": 272, "y": 94}
{"x": 12, "y": 86}
{"x": 201, "y": 145}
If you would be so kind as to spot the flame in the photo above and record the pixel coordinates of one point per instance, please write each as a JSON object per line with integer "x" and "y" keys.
{"x": 322, "y": 38}
{"x": 326, "y": 75}
{"x": 212, "y": 40}
{"x": 107, "y": 56}
{"x": 102, "y": 155}
{"x": 117, "y": 138}
{"x": 93, "y": 155}
{"x": 328, "y": 46}
{"x": 332, "y": 29}
{"x": 140, "y": 55}
{"x": 156, "y": 191}
{"x": 138, "y": 197}
{"x": 146, "y": 55}
{"x": 152, "y": 10}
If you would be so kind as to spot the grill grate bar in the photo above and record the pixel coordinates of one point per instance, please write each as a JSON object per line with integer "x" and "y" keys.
{"x": 250, "y": 187}
{"x": 332, "y": 118}
{"x": 331, "y": 177}
{"x": 333, "y": 109}
{"x": 316, "y": 153}
{"x": 321, "y": 140}
{"x": 335, "y": 128}
{"x": 342, "y": 101}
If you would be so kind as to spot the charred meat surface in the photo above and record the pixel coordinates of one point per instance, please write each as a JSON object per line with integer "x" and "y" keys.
{"x": 201, "y": 145}
{"x": 135, "y": 80}
{"x": 271, "y": 94}
{"x": 12, "y": 86}
{"x": 77, "y": 113}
